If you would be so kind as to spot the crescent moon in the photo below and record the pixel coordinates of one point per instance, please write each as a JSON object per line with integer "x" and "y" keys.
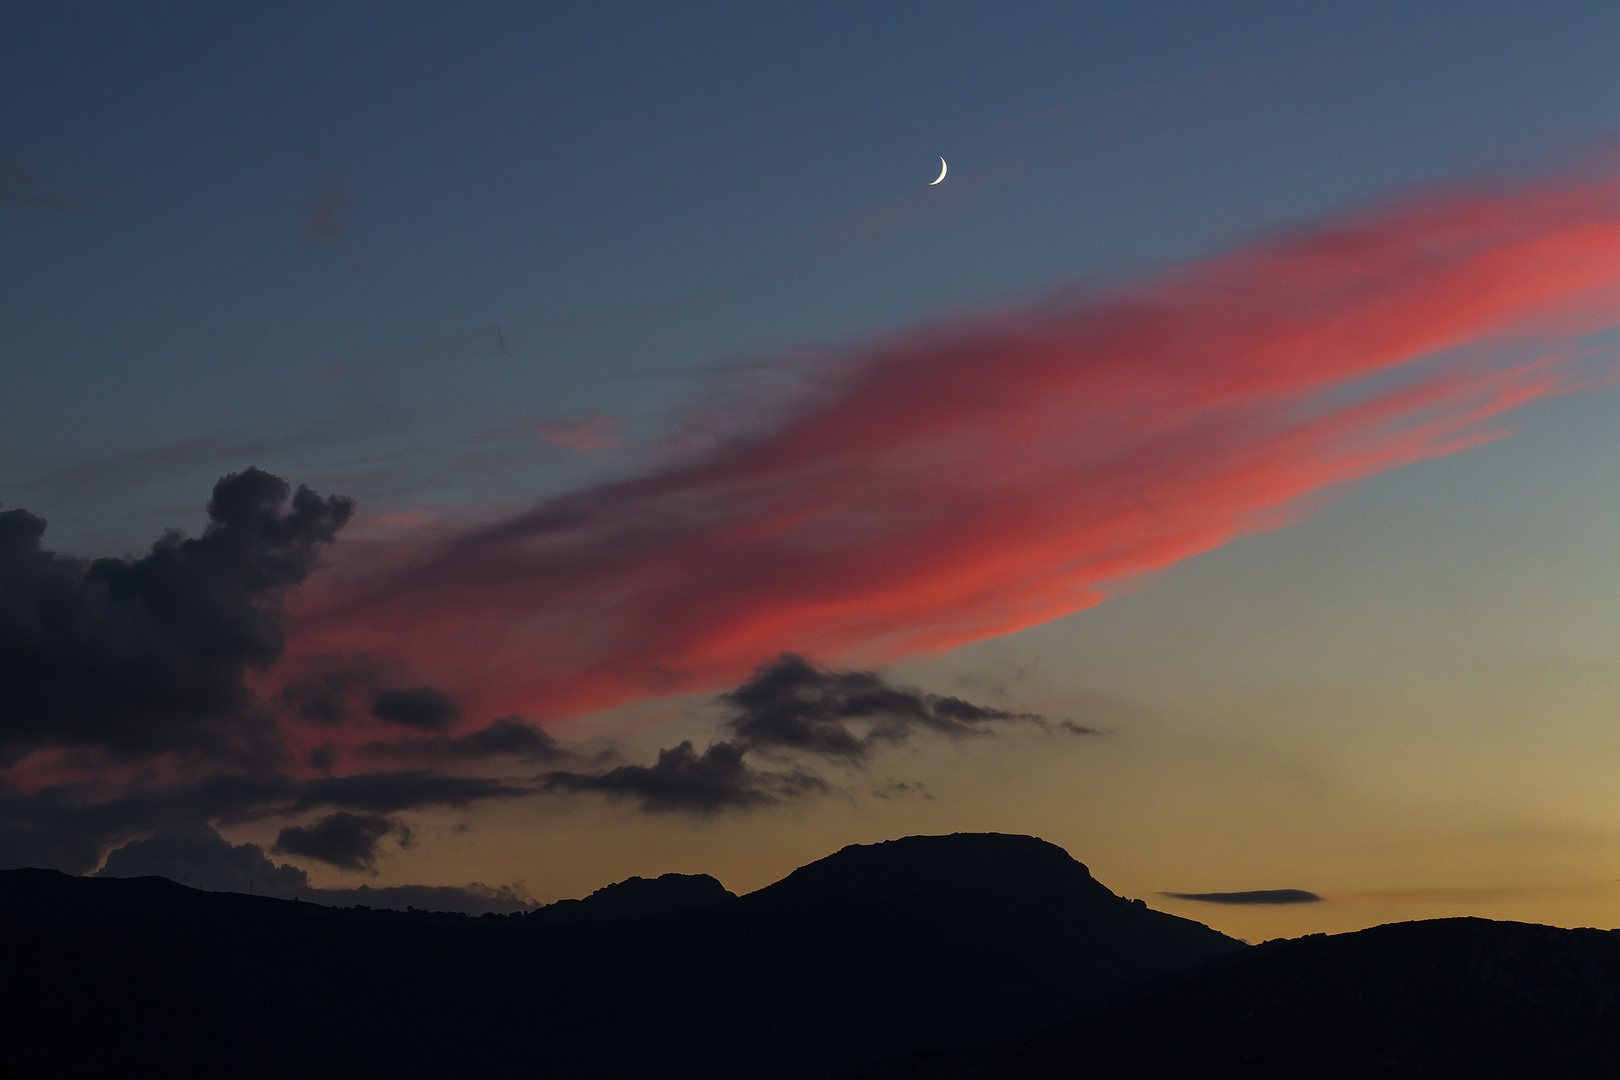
{"x": 942, "y": 169}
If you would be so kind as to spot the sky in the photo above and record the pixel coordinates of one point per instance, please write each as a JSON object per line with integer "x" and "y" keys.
{"x": 597, "y": 449}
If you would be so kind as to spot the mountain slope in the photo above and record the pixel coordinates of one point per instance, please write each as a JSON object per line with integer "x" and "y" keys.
{"x": 881, "y": 950}
{"x": 932, "y": 941}
{"x": 635, "y": 898}
{"x": 1441, "y": 998}
{"x": 952, "y": 934}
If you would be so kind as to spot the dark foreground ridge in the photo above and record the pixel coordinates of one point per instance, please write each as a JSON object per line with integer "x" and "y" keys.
{"x": 1441, "y": 998}
{"x": 875, "y": 951}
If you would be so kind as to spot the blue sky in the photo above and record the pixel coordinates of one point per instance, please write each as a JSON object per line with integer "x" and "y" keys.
{"x": 458, "y": 259}
{"x": 638, "y": 194}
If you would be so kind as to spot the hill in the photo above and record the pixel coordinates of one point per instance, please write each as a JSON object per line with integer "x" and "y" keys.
{"x": 877, "y": 950}
{"x": 636, "y": 898}
{"x": 1439, "y": 998}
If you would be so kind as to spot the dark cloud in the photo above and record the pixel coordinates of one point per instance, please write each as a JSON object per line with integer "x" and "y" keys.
{"x": 507, "y": 736}
{"x": 345, "y": 840}
{"x": 336, "y": 688}
{"x": 1073, "y": 728}
{"x": 420, "y": 707}
{"x": 790, "y": 704}
{"x": 325, "y": 697}
{"x": 1255, "y": 896}
{"x": 388, "y": 792}
{"x": 321, "y": 214}
{"x": 199, "y": 857}
{"x": 70, "y": 826}
{"x": 901, "y": 790}
{"x": 143, "y": 655}
{"x": 684, "y": 780}
{"x": 323, "y": 757}
{"x": 146, "y": 654}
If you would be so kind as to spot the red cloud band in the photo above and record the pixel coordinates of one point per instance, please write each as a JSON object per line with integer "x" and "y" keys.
{"x": 967, "y": 480}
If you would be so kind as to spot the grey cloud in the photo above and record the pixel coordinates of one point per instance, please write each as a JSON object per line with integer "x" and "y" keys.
{"x": 325, "y": 697}
{"x": 684, "y": 780}
{"x": 901, "y": 789}
{"x": 334, "y": 689}
{"x": 345, "y": 840}
{"x": 420, "y": 707}
{"x": 790, "y": 704}
{"x": 148, "y": 654}
{"x": 199, "y": 857}
{"x": 323, "y": 757}
{"x": 70, "y": 826}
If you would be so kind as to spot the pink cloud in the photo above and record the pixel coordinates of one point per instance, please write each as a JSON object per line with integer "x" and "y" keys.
{"x": 973, "y": 478}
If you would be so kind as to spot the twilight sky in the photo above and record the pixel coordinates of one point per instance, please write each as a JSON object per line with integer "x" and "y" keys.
{"x": 1213, "y": 475}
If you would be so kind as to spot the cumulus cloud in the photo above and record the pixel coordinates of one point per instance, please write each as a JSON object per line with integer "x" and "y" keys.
{"x": 347, "y": 841}
{"x": 200, "y": 857}
{"x": 685, "y": 780}
{"x": 984, "y": 474}
{"x": 420, "y": 707}
{"x": 142, "y": 657}
{"x": 147, "y": 654}
{"x": 1254, "y": 896}
{"x": 70, "y": 826}
{"x": 334, "y": 690}
{"x": 790, "y": 707}
{"x": 791, "y": 704}
{"x": 326, "y": 695}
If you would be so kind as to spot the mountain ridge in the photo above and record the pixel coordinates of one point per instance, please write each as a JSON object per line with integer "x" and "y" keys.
{"x": 920, "y": 943}
{"x": 635, "y": 898}
{"x": 1440, "y": 997}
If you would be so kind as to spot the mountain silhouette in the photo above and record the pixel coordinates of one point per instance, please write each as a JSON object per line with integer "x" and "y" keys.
{"x": 635, "y": 898}
{"x": 873, "y": 951}
{"x": 1439, "y": 998}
